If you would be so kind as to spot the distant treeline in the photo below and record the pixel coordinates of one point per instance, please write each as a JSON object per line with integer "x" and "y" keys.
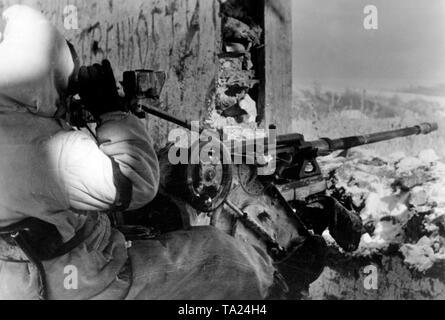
{"x": 371, "y": 104}
{"x": 438, "y": 90}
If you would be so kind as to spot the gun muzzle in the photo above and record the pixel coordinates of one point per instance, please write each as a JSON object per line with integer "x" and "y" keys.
{"x": 427, "y": 128}
{"x": 327, "y": 145}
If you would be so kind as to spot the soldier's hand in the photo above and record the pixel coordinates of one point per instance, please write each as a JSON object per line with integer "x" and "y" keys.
{"x": 97, "y": 89}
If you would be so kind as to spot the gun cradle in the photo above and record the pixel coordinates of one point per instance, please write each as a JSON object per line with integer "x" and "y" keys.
{"x": 268, "y": 211}
{"x": 254, "y": 211}
{"x": 301, "y": 190}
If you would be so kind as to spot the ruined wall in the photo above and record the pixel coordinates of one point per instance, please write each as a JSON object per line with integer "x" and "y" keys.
{"x": 180, "y": 37}
{"x": 256, "y": 64}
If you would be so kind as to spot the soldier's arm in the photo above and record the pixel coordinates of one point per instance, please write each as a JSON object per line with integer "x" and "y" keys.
{"x": 121, "y": 170}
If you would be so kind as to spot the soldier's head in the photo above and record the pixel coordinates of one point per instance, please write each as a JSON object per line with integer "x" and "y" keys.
{"x": 36, "y": 62}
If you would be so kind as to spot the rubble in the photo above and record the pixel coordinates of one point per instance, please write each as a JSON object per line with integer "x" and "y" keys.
{"x": 420, "y": 255}
{"x": 219, "y": 122}
{"x": 400, "y": 199}
{"x": 234, "y": 103}
{"x": 249, "y": 106}
{"x": 240, "y": 32}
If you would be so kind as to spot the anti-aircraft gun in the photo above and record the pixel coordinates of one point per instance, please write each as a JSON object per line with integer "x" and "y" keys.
{"x": 254, "y": 189}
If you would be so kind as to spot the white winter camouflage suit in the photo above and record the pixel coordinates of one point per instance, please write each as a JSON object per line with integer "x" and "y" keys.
{"x": 52, "y": 174}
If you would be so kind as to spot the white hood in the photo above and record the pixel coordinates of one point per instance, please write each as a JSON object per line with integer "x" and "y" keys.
{"x": 35, "y": 63}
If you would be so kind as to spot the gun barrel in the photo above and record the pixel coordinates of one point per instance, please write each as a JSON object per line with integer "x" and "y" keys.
{"x": 326, "y": 145}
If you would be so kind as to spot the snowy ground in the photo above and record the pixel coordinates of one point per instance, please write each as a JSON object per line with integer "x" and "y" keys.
{"x": 401, "y": 200}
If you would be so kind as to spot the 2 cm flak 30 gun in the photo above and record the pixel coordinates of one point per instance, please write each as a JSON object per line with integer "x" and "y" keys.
{"x": 263, "y": 203}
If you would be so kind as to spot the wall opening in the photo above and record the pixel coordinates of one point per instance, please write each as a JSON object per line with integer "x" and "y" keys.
{"x": 240, "y": 90}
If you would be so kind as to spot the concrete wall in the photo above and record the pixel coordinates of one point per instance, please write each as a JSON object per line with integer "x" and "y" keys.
{"x": 181, "y": 37}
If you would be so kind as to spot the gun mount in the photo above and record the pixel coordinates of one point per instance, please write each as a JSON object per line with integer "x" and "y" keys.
{"x": 297, "y": 164}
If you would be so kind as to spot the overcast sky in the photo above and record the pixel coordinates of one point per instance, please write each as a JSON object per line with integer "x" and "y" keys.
{"x": 332, "y": 46}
